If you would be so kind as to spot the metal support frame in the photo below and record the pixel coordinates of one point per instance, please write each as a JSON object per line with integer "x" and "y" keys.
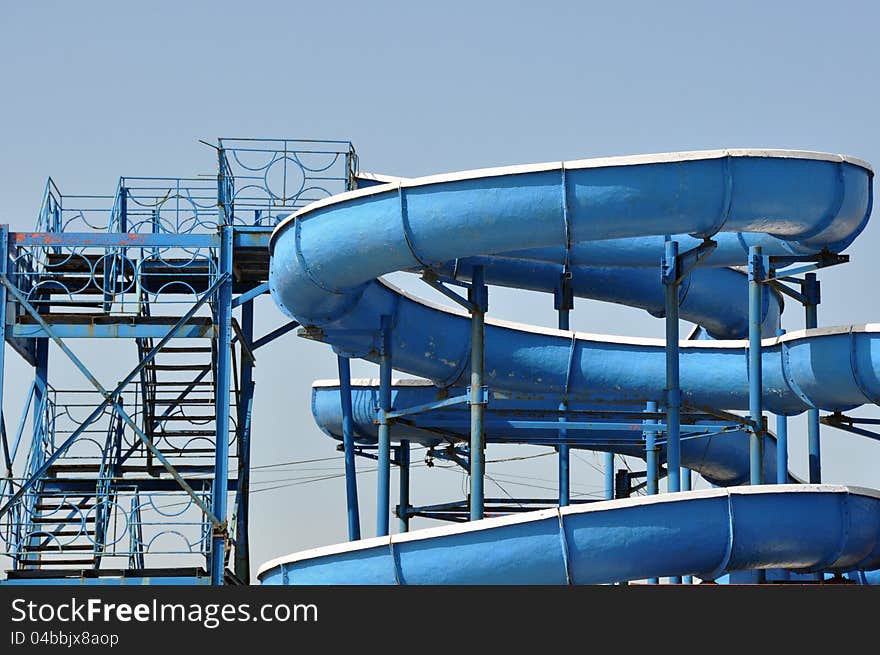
{"x": 478, "y": 297}
{"x": 351, "y": 492}
{"x": 812, "y": 296}
{"x": 809, "y": 296}
{"x": 110, "y": 397}
{"x": 245, "y": 409}
{"x": 383, "y": 491}
{"x": 756, "y": 275}
{"x": 671, "y": 277}
{"x": 219, "y": 494}
{"x": 152, "y": 216}
{"x": 4, "y": 256}
{"x": 652, "y": 453}
{"x": 564, "y": 303}
{"x": 403, "y": 461}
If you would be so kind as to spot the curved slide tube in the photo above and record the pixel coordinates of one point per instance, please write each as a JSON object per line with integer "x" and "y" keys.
{"x": 704, "y": 533}
{"x": 722, "y": 459}
{"x": 326, "y": 257}
{"x": 519, "y": 222}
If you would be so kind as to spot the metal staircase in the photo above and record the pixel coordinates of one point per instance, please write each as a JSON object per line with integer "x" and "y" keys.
{"x": 131, "y": 480}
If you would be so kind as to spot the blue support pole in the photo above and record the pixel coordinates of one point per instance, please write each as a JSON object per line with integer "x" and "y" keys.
{"x": 403, "y": 465}
{"x": 811, "y": 291}
{"x": 383, "y": 493}
{"x": 4, "y": 244}
{"x": 652, "y": 461}
{"x": 221, "y": 404}
{"x": 756, "y": 444}
{"x": 351, "y": 492}
{"x": 652, "y": 453}
{"x": 564, "y": 451}
{"x": 673, "y": 390}
{"x": 245, "y": 408}
{"x": 781, "y": 441}
{"x": 756, "y": 385}
{"x": 479, "y": 300}
{"x": 609, "y": 476}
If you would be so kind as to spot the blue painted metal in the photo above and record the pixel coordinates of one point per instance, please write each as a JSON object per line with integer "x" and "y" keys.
{"x": 4, "y": 258}
{"x": 673, "y": 389}
{"x": 756, "y": 386}
{"x": 243, "y": 423}
{"x": 153, "y": 244}
{"x": 715, "y": 298}
{"x": 247, "y": 296}
{"x": 383, "y": 491}
{"x": 222, "y": 387}
{"x": 764, "y": 183}
{"x": 403, "y": 505}
{"x": 351, "y": 492}
{"x": 799, "y": 527}
{"x": 608, "y": 469}
{"x": 478, "y": 297}
{"x": 652, "y": 459}
{"x": 564, "y": 301}
{"x": 811, "y": 292}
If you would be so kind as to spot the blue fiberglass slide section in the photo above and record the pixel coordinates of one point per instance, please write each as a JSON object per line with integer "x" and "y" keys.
{"x": 326, "y": 260}
{"x": 722, "y": 459}
{"x": 704, "y": 533}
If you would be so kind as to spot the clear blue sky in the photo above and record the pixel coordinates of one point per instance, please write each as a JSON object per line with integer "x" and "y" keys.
{"x": 93, "y": 90}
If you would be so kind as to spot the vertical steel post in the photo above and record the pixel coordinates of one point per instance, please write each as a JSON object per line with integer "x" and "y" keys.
{"x": 245, "y": 409}
{"x": 652, "y": 459}
{"x": 383, "y": 493}
{"x": 673, "y": 390}
{"x": 811, "y": 291}
{"x": 609, "y": 476}
{"x": 221, "y": 405}
{"x": 4, "y": 244}
{"x": 351, "y": 492}
{"x": 781, "y": 441}
{"x": 756, "y": 414}
{"x": 478, "y": 297}
{"x": 403, "y": 464}
{"x": 564, "y": 452}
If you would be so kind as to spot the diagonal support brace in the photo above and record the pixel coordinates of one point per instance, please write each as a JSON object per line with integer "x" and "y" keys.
{"x": 110, "y": 397}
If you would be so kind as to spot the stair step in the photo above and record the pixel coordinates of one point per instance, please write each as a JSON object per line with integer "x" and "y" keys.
{"x": 186, "y": 433}
{"x": 59, "y": 520}
{"x": 74, "y": 468}
{"x": 66, "y": 562}
{"x": 57, "y": 549}
{"x": 43, "y": 507}
{"x": 185, "y": 401}
{"x": 179, "y": 367}
{"x": 68, "y": 533}
{"x": 180, "y": 383}
{"x": 183, "y": 349}
{"x": 190, "y": 419}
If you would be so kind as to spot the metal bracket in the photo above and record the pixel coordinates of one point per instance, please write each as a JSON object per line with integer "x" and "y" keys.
{"x": 848, "y": 424}
{"x": 482, "y": 396}
{"x": 673, "y": 272}
{"x": 430, "y": 278}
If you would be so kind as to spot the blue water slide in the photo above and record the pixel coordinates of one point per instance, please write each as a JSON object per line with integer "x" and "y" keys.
{"x": 521, "y": 222}
{"x": 722, "y": 458}
{"x": 705, "y": 533}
